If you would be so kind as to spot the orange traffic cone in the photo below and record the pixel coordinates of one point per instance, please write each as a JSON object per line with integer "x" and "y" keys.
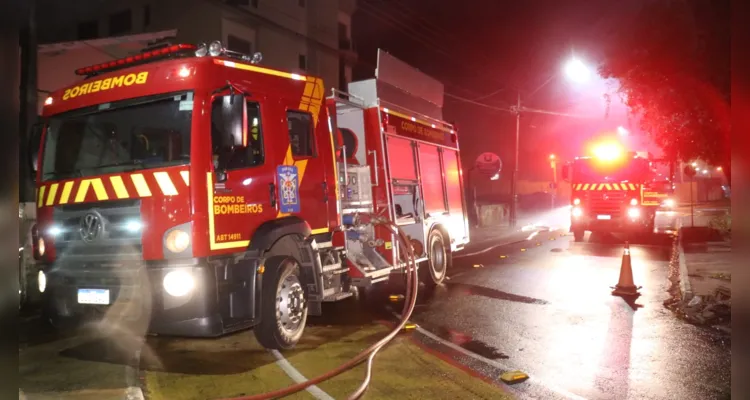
{"x": 625, "y": 286}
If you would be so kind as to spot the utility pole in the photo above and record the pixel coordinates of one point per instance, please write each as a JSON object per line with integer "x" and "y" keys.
{"x": 28, "y": 101}
{"x": 514, "y": 181}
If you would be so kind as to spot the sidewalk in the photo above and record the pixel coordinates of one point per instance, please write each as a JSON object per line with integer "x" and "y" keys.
{"x": 481, "y": 237}
{"x": 705, "y": 270}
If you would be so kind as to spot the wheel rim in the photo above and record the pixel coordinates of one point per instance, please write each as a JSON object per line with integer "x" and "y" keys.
{"x": 437, "y": 257}
{"x": 290, "y": 304}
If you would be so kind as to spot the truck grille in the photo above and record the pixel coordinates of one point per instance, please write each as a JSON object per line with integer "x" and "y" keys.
{"x": 112, "y": 241}
{"x": 606, "y": 203}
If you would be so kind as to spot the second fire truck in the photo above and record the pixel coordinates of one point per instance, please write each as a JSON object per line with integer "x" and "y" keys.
{"x": 197, "y": 190}
{"x": 615, "y": 191}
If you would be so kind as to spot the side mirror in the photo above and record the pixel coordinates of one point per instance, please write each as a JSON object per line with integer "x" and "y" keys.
{"x": 566, "y": 172}
{"x": 233, "y": 114}
{"x": 229, "y": 117}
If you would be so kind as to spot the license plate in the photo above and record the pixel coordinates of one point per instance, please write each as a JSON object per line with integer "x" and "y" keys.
{"x": 93, "y": 296}
{"x": 603, "y": 217}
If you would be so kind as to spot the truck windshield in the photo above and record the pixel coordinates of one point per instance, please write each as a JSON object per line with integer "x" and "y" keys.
{"x": 590, "y": 170}
{"x": 117, "y": 137}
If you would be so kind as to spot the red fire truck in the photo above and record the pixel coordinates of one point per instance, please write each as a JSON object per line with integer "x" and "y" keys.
{"x": 193, "y": 188}
{"x": 607, "y": 192}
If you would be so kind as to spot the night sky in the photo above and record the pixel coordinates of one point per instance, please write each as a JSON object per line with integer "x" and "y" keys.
{"x": 490, "y": 50}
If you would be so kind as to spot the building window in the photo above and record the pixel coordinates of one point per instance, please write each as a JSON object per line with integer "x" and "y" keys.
{"x": 146, "y": 15}
{"x": 251, "y": 153}
{"x": 120, "y": 23}
{"x": 88, "y": 30}
{"x": 301, "y": 3}
{"x": 239, "y": 45}
{"x": 300, "y": 133}
{"x": 302, "y": 61}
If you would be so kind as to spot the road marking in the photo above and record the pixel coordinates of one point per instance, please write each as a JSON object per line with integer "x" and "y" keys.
{"x": 492, "y": 363}
{"x": 297, "y": 376}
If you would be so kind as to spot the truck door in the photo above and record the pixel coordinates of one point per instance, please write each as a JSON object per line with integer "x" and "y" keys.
{"x": 303, "y": 179}
{"x": 244, "y": 174}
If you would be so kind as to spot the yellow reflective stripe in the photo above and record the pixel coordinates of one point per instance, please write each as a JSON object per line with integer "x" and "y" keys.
{"x": 52, "y": 194}
{"x": 319, "y": 231}
{"x": 262, "y": 70}
{"x": 608, "y": 186}
{"x": 578, "y": 186}
{"x": 120, "y": 190}
{"x": 616, "y": 186}
{"x": 65, "y": 196}
{"x": 82, "y": 190}
{"x": 140, "y": 185}
{"x": 601, "y": 186}
{"x": 586, "y": 186}
{"x": 185, "y": 177}
{"x": 632, "y": 187}
{"x": 99, "y": 190}
{"x": 41, "y": 196}
{"x": 165, "y": 183}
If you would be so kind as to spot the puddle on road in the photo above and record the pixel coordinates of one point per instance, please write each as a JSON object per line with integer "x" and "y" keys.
{"x": 468, "y": 343}
{"x": 467, "y": 289}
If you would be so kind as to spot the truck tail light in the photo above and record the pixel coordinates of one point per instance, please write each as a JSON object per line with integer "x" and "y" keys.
{"x": 577, "y": 211}
{"x": 576, "y": 202}
{"x": 634, "y": 212}
{"x": 633, "y": 202}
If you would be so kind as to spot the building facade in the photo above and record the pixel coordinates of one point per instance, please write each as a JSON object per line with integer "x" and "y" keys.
{"x": 303, "y": 36}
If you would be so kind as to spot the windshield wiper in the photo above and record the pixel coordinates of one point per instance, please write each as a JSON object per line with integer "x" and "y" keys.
{"x": 76, "y": 173}
{"x": 130, "y": 163}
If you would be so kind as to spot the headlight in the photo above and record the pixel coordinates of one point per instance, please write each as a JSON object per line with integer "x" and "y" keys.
{"x": 577, "y": 212}
{"x": 41, "y": 280}
{"x": 669, "y": 203}
{"x": 634, "y": 213}
{"x": 177, "y": 241}
{"x": 576, "y": 201}
{"x": 40, "y": 247}
{"x": 633, "y": 202}
{"x": 178, "y": 283}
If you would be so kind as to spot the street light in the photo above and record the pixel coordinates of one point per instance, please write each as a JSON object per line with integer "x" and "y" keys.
{"x": 577, "y": 71}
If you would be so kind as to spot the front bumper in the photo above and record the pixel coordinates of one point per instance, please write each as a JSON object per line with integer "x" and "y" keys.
{"x": 615, "y": 225}
{"x": 216, "y": 305}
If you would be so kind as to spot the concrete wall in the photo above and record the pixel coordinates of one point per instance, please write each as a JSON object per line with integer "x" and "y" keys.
{"x": 281, "y": 30}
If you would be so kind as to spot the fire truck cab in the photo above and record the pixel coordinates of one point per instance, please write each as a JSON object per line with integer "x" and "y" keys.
{"x": 195, "y": 191}
{"x": 607, "y": 193}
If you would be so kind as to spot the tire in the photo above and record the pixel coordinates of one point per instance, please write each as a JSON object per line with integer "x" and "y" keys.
{"x": 578, "y": 235}
{"x": 437, "y": 260}
{"x": 284, "y": 305}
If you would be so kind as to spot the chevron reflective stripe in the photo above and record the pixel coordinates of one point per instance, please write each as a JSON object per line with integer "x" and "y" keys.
{"x": 165, "y": 183}
{"x": 605, "y": 186}
{"x": 136, "y": 185}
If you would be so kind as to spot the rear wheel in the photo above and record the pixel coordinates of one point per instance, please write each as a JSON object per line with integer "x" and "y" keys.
{"x": 578, "y": 235}
{"x": 437, "y": 260}
{"x": 284, "y": 305}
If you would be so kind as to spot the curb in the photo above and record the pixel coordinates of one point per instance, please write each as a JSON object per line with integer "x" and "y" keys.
{"x": 686, "y": 289}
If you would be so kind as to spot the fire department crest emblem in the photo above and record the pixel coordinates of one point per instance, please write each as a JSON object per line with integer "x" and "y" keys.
{"x": 288, "y": 179}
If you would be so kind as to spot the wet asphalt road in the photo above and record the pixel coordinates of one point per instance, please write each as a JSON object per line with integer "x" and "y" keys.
{"x": 548, "y": 311}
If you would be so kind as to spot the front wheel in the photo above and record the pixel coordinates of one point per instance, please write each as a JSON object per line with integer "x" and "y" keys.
{"x": 437, "y": 260}
{"x": 578, "y": 235}
{"x": 284, "y": 305}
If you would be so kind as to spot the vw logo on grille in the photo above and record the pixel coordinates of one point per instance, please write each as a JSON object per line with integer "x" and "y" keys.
{"x": 91, "y": 227}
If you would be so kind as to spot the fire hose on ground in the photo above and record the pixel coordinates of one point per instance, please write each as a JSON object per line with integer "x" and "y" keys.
{"x": 410, "y": 300}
